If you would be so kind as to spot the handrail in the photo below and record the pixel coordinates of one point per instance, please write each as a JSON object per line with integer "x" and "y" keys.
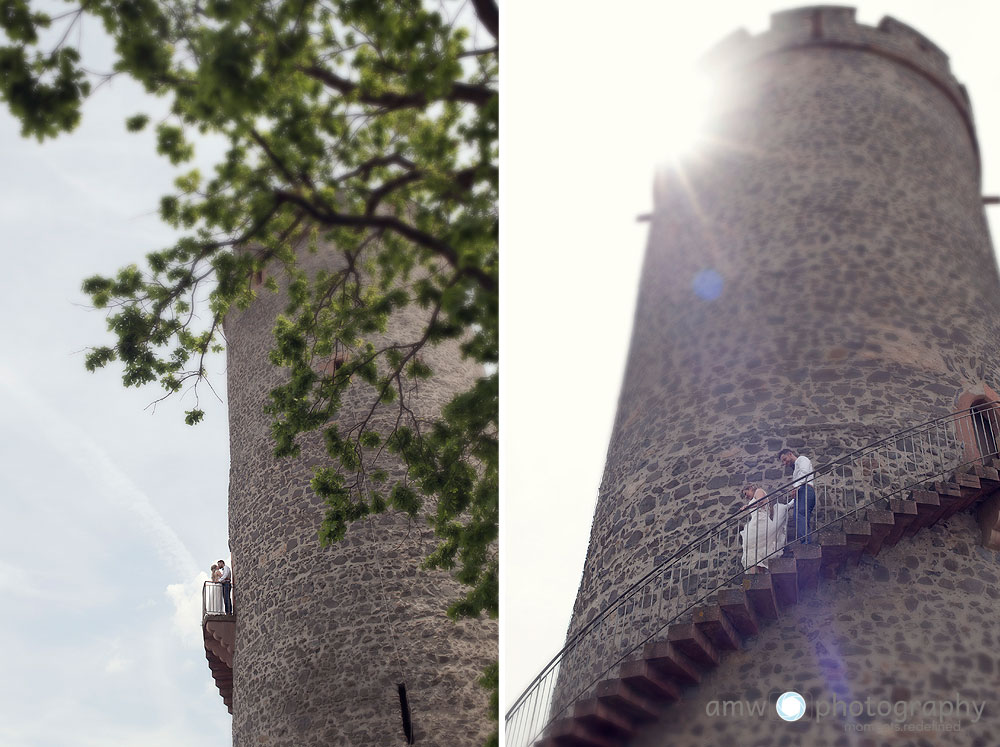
{"x": 923, "y": 452}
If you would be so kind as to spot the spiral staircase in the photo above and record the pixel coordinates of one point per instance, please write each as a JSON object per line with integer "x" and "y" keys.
{"x": 623, "y": 669}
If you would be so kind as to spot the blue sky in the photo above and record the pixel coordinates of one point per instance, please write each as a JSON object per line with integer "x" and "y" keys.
{"x": 110, "y": 514}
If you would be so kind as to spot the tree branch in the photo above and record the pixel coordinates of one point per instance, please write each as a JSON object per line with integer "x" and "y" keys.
{"x": 479, "y": 52}
{"x": 463, "y": 92}
{"x": 489, "y": 16}
{"x": 272, "y": 156}
{"x": 376, "y": 197}
{"x": 366, "y": 168}
{"x": 442, "y": 249}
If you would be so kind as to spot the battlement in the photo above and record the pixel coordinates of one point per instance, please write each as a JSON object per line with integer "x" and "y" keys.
{"x": 835, "y": 26}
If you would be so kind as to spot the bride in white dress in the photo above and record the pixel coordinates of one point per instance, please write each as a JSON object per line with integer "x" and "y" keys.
{"x": 213, "y": 590}
{"x": 765, "y": 529}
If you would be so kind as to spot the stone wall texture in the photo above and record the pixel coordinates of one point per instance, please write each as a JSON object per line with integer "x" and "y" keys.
{"x": 915, "y": 625}
{"x": 819, "y": 275}
{"x": 324, "y": 635}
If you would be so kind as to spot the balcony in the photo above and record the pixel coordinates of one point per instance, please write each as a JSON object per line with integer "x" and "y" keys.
{"x": 220, "y": 639}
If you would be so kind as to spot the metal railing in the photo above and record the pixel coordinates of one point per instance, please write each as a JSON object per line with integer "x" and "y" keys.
{"x": 212, "y": 602}
{"x": 865, "y": 478}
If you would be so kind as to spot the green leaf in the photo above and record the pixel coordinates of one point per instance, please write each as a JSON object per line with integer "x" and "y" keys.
{"x": 347, "y": 147}
{"x": 136, "y": 122}
{"x": 170, "y": 142}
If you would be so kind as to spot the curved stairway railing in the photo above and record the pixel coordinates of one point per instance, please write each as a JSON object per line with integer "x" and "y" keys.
{"x": 867, "y": 478}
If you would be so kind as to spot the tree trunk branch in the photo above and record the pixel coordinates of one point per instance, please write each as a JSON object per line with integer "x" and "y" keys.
{"x": 463, "y": 92}
{"x": 332, "y": 218}
{"x": 489, "y": 16}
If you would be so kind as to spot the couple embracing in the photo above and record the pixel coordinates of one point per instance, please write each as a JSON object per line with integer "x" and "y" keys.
{"x": 222, "y": 574}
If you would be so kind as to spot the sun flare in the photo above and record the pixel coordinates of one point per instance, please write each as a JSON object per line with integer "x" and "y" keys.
{"x": 680, "y": 116}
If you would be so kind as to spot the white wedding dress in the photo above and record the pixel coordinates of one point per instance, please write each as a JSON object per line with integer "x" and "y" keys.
{"x": 763, "y": 535}
{"x": 213, "y": 600}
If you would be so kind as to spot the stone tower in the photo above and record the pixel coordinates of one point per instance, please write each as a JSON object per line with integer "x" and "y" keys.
{"x": 818, "y": 276}
{"x": 325, "y": 635}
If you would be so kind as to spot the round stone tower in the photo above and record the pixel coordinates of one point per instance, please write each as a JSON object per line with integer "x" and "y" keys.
{"x": 819, "y": 275}
{"x": 324, "y": 636}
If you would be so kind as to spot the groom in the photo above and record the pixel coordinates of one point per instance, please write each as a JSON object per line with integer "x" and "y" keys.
{"x": 805, "y": 493}
{"x": 227, "y": 586}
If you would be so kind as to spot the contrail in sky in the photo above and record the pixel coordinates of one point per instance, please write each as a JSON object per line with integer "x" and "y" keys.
{"x": 77, "y": 446}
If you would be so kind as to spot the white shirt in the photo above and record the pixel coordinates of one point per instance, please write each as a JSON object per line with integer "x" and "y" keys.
{"x": 228, "y": 576}
{"x": 802, "y": 468}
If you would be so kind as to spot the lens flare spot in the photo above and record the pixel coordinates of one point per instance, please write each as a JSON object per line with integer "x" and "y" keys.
{"x": 791, "y": 706}
{"x": 707, "y": 285}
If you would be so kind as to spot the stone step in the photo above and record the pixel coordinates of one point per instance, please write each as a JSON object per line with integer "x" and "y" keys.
{"x": 760, "y": 592}
{"x": 859, "y": 534}
{"x": 972, "y": 490}
{"x": 989, "y": 477}
{"x": 670, "y": 660}
{"x": 649, "y": 680}
{"x": 631, "y": 703}
{"x": 648, "y": 684}
{"x": 904, "y": 513}
{"x": 598, "y": 718}
{"x": 784, "y": 580}
{"x": 950, "y": 495}
{"x": 736, "y": 605}
{"x": 568, "y": 732}
{"x": 808, "y": 560}
{"x": 713, "y": 622}
{"x": 948, "y": 506}
{"x": 928, "y": 507}
{"x": 694, "y": 644}
{"x": 882, "y": 521}
{"x": 618, "y": 707}
{"x": 834, "y": 551}
{"x": 966, "y": 480}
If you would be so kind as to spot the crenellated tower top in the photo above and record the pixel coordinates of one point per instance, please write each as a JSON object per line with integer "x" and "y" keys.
{"x": 835, "y": 26}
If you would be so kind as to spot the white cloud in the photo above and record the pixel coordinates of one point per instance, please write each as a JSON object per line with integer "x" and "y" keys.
{"x": 18, "y": 581}
{"x": 117, "y": 664}
{"x": 186, "y": 598}
{"x": 127, "y": 683}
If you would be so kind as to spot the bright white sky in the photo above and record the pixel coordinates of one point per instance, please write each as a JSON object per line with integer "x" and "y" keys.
{"x": 591, "y": 96}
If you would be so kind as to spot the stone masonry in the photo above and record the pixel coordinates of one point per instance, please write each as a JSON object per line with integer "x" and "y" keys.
{"x": 325, "y": 635}
{"x": 839, "y": 202}
{"x": 819, "y": 275}
{"x": 914, "y": 625}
